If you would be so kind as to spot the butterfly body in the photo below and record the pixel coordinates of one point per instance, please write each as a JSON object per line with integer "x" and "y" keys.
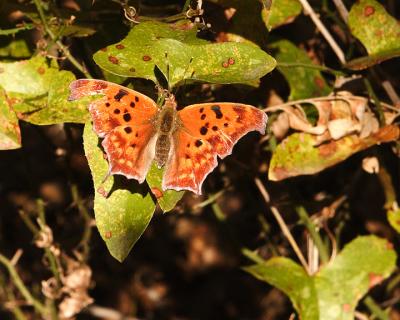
{"x": 186, "y": 143}
{"x": 167, "y": 125}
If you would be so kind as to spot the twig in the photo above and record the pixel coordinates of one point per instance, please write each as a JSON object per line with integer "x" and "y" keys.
{"x": 87, "y": 233}
{"x": 282, "y": 225}
{"x": 106, "y": 313}
{"x": 344, "y": 13}
{"x": 53, "y": 37}
{"x": 211, "y": 199}
{"x": 320, "y": 26}
{"x": 54, "y": 264}
{"x": 9, "y": 301}
{"x": 39, "y": 307}
{"x": 360, "y": 316}
{"x": 392, "y": 94}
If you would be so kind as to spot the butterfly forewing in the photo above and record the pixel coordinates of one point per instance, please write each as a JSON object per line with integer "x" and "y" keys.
{"x": 118, "y": 105}
{"x": 125, "y": 118}
{"x": 207, "y": 130}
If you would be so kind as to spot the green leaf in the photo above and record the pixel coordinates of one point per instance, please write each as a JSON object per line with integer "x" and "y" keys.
{"x": 166, "y": 199}
{"x": 122, "y": 212}
{"x": 303, "y": 82}
{"x": 10, "y": 134}
{"x": 39, "y": 92}
{"x": 302, "y": 153}
{"x": 291, "y": 278}
{"x": 394, "y": 219}
{"x": 186, "y": 57}
{"x": 16, "y": 49}
{"x": 378, "y": 31}
{"x": 333, "y": 292}
{"x": 281, "y": 12}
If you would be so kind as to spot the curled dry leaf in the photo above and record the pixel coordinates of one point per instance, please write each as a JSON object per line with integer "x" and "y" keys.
{"x": 339, "y": 115}
{"x": 76, "y": 283}
{"x": 345, "y": 125}
{"x": 44, "y": 238}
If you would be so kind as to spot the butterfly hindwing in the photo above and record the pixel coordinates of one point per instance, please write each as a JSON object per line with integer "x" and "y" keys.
{"x": 191, "y": 159}
{"x": 207, "y": 130}
{"x": 125, "y": 119}
{"x": 130, "y": 150}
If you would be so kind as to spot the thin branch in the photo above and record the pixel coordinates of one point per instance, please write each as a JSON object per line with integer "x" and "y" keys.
{"x": 53, "y": 261}
{"x": 53, "y": 37}
{"x": 106, "y": 313}
{"x": 87, "y": 233}
{"x": 39, "y": 307}
{"x": 392, "y": 94}
{"x": 282, "y": 225}
{"x": 344, "y": 13}
{"x": 321, "y": 27}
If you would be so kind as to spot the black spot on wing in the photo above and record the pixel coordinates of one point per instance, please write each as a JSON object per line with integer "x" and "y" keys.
{"x": 120, "y": 94}
{"x": 128, "y": 129}
{"x": 198, "y": 143}
{"x": 127, "y": 117}
{"x": 217, "y": 111}
{"x": 203, "y": 130}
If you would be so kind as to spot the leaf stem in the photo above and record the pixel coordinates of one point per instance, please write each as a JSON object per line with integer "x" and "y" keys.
{"x": 282, "y": 225}
{"x": 309, "y": 66}
{"x": 375, "y": 308}
{"x": 53, "y": 37}
{"x": 39, "y": 307}
{"x": 376, "y": 101}
{"x": 305, "y": 219}
{"x": 7, "y": 32}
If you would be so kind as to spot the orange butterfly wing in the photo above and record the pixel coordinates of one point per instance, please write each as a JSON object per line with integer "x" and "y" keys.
{"x": 125, "y": 119}
{"x": 206, "y": 131}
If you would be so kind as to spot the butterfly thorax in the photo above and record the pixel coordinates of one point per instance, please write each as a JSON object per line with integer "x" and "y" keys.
{"x": 166, "y": 124}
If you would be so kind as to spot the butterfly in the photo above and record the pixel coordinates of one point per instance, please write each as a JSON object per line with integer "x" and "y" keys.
{"x": 186, "y": 143}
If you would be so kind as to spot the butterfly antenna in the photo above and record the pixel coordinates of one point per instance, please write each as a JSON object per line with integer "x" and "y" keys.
{"x": 184, "y": 76}
{"x": 168, "y": 72}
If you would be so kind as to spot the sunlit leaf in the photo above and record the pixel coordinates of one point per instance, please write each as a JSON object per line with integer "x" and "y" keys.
{"x": 180, "y": 55}
{"x": 15, "y": 49}
{"x": 123, "y": 209}
{"x": 166, "y": 199}
{"x": 301, "y": 153}
{"x": 378, "y": 31}
{"x": 394, "y": 219}
{"x": 10, "y": 134}
{"x": 39, "y": 92}
{"x": 334, "y": 292}
{"x": 281, "y": 12}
